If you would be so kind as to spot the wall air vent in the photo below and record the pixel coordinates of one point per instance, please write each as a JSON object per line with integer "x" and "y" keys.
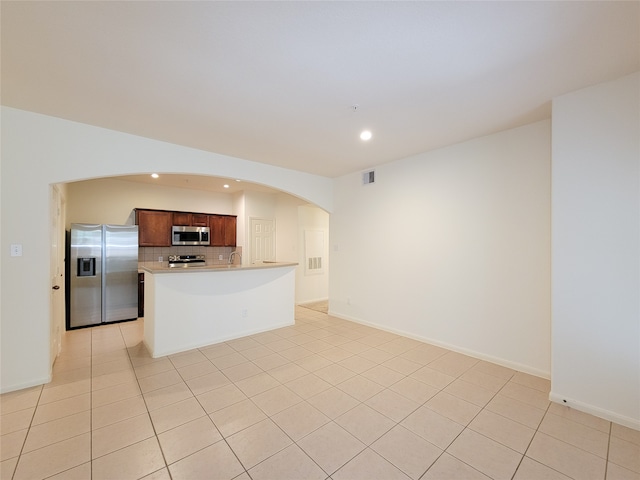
{"x": 368, "y": 177}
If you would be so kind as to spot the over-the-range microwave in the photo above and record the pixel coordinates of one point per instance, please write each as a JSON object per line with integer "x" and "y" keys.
{"x": 181, "y": 235}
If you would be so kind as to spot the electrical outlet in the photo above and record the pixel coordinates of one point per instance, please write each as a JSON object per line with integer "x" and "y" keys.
{"x": 16, "y": 249}
{"x": 220, "y": 257}
{"x": 160, "y": 259}
{"x": 245, "y": 313}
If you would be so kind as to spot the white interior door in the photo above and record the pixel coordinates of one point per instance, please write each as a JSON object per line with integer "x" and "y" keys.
{"x": 262, "y": 239}
{"x": 56, "y": 235}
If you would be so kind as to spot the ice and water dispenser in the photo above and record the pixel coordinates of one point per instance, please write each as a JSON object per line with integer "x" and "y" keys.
{"x": 87, "y": 267}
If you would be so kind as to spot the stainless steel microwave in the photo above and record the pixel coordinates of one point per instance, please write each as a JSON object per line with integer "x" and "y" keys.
{"x": 190, "y": 235}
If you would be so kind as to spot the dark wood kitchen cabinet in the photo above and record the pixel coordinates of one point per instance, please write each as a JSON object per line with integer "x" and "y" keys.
{"x": 140, "y": 294}
{"x": 230, "y": 224}
{"x": 199, "y": 220}
{"x": 182, "y": 219}
{"x": 187, "y": 219}
{"x": 154, "y": 228}
{"x": 223, "y": 230}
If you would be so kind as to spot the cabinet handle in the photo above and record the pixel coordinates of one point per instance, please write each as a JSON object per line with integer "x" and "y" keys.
{"x": 56, "y": 287}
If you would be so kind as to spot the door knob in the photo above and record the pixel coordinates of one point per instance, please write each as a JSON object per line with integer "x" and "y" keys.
{"x": 56, "y": 287}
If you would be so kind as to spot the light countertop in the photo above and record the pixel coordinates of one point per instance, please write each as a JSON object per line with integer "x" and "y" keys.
{"x": 149, "y": 268}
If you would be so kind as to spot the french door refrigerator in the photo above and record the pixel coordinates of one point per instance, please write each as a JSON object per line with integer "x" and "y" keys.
{"x": 103, "y": 272}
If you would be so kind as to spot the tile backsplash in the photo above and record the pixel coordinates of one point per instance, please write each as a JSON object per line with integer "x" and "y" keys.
{"x": 212, "y": 254}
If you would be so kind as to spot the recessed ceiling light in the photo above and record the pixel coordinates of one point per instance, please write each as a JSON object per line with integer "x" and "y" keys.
{"x": 154, "y": 175}
{"x": 226, "y": 186}
{"x": 366, "y": 135}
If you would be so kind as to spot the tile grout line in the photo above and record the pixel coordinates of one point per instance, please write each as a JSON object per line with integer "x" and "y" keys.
{"x": 166, "y": 465}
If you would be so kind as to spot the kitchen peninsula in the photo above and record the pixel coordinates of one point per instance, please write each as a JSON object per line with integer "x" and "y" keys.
{"x": 187, "y": 308}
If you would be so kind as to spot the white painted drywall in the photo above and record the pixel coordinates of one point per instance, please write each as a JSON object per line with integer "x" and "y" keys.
{"x": 596, "y": 250}
{"x": 452, "y": 247}
{"x": 312, "y": 288}
{"x": 38, "y": 151}
{"x": 109, "y": 200}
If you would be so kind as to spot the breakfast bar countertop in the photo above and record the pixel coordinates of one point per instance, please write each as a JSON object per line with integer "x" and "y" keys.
{"x": 164, "y": 268}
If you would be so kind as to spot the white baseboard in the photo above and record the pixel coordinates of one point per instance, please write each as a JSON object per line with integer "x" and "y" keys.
{"x": 479, "y": 355}
{"x": 23, "y": 385}
{"x": 214, "y": 341}
{"x": 596, "y": 411}
{"x": 304, "y": 302}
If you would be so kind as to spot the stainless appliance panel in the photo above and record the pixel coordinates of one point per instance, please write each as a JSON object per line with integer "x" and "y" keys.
{"x": 191, "y": 236}
{"x": 103, "y": 273}
{"x": 120, "y": 273}
{"x": 85, "y": 300}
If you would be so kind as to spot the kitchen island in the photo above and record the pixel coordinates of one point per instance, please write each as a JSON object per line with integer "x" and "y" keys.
{"x": 187, "y": 308}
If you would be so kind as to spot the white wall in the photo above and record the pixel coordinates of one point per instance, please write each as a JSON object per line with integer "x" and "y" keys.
{"x": 109, "y": 200}
{"x": 596, "y": 250}
{"x": 38, "y": 151}
{"x": 315, "y": 287}
{"x": 452, "y": 247}
{"x": 290, "y": 225}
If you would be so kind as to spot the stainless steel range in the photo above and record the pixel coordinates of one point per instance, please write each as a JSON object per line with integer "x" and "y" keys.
{"x": 186, "y": 261}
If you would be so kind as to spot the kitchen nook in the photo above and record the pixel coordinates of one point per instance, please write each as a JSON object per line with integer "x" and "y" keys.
{"x": 194, "y": 300}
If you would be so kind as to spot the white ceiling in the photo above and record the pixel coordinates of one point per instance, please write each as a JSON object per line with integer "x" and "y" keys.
{"x": 274, "y": 82}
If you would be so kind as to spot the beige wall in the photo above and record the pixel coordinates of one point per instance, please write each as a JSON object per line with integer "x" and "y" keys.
{"x": 453, "y": 247}
{"x": 110, "y": 200}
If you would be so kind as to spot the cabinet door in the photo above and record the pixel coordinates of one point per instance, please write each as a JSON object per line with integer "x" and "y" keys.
{"x": 230, "y": 231}
{"x": 182, "y": 219}
{"x": 200, "y": 220}
{"x": 154, "y": 228}
{"x": 140, "y": 294}
{"x": 216, "y": 224}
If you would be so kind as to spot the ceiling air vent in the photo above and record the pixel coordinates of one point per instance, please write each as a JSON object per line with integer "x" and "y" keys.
{"x": 368, "y": 177}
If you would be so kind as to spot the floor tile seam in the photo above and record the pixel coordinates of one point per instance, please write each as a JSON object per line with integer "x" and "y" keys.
{"x": 147, "y": 411}
{"x": 293, "y": 442}
{"x": 386, "y": 416}
{"x": 177, "y": 368}
{"x": 466, "y": 427}
{"x": 167, "y": 465}
{"x": 90, "y": 430}
{"x": 468, "y": 464}
{"x": 28, "y": 429}
{"x": 521, "y": 455}
{"x": 40, "y": 402}
{"x": 23, "y": 453}
{"x": 401, "y": 469}
{"x": 549, "y": 434}
{"x": 625, "y": 467}
{"x": 345, "y": 463}
{"x": 537, "y": 430}
{"x": 583, "y": 425}
{"x": 153, "y": 435}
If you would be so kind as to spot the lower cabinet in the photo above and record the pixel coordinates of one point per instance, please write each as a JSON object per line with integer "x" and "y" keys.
{"x": 140, "y": 294}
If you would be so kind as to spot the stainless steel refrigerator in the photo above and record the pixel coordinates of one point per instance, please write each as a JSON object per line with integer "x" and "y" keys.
{"x": 103, "y": 272}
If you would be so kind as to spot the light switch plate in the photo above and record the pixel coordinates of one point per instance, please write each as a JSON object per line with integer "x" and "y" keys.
{"x": 16, "y": 249}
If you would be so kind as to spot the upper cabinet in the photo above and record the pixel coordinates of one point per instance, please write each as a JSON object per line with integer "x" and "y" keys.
{"x": 230, "y": 231}
{"x": 154, "y": 227}
{"x": 182, "y": 219}
{"x": 199, "y": 220}
{"x": 223, "y": 230}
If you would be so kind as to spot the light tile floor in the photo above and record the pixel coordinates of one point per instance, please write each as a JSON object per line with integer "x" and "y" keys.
{"x": 325, "y": 398}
